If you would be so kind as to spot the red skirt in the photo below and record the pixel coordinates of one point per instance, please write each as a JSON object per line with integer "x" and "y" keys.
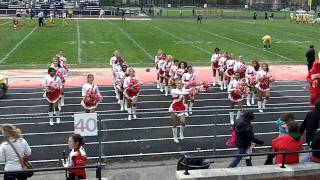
{"x": 178, "y": 107}
{"x": 53, "y": 96}
{"x": 132, "y": 93}
{"x": 215, "y": 65}
{"x": 235, "y": 97}
{"x": 89, "y": 104}
{"x": 229, "y": 72}
{"x": 263, "y": 86}
{"x": 161, "y": 72}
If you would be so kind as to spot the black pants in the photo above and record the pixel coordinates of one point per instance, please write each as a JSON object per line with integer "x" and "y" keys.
{"x": 40, "y": 22}
{"x": 309, "y": 66}
{"x": 14, "y": 176}
{"x": 74, "y": 177}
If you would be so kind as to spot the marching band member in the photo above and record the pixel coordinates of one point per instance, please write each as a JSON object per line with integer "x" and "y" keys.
{"x": 222, "y": 67}
{"x": 264, "y": 79}
{"x": 156, "y": 60}
{"x": 121, "y": 75}
{"x": 91, "y": 95}
{"x": 229, "y": 68}
{"x": 251, "y": 74}
{"x": 177, "y": 109}
{"x": 313, "y": 79}
{"x": 131, "y": 91}
{"x": 161, "y": 62}
{"x": 166, "y": 75}
{"x": 215, "y": 65}
{"x": 52, "y": 85}
{"x": 188, "y": 81}
{"x": 181, "y": 70}
{"x": 237, "y": 90}
{"x": 61, "y": 73}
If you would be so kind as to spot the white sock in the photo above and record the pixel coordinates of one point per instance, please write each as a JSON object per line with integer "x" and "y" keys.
{"x": 161, "y": 87}
{"x": 62, "y": 100}
{"x": 121, "y": 104}
{"x": 253, "y": 98}
{"x": 125, "y": 104}
{"x": 50, "y": 117}
{"x": 58, "y": 118}
{"x": 129, "y": 113}
{"x": 181, "y": 132}
{"x": 214, "y": 81}
{"x": 264, "y": 102}
{"x": 259, "y": 105}
{"x": 248, "y": 100}
{"x": 166, "y": 89}
{"x": 175, "y": 135}
{"x": 190, "y": 107}
{"x": 231, "y": 114}
{"x": 134, "y": 109}
{"x": 238, "y": 115}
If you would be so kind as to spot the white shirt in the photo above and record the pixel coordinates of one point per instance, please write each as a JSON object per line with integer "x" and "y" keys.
{"x": 186, "y": 77}
{"x": 230, "y": 63}
{"x": 179, "y": 73}
{"x": 222, "y": 61}
{"x": 237, "y": 64}
{"x": 178, "y": 93}
{"x": 173, "y": 70}
{"x": 166, "y": 65}
{"x": 156, "y": 59}
{"x": 232, "y": 85}
{"x": 47, "y": 79}
{"x": 72, "y": 153}
{"x": 127, "y": 81}
{"x": 112, "y": 60}
{"x": 261, "y": 73}
{"x": 250, "y": 71}
{"x": 64, "y": 15}
{"x": 214, "y": 58}
{"x": 87, "y": 86}
{"x": 161, "y": 63}
{"x": 9, "y": 157}
{"x": 121, "y": 75}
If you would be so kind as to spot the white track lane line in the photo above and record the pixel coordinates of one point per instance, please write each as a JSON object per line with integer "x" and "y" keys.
{"x": 17, "y": 45}
{"x": 132, "y": 40}
{"x": 178, "y": 38}
{"x": 78, "y": 41}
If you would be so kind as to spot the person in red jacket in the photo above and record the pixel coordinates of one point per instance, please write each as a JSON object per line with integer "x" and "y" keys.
{"x": 313, "y": 79}
{"x": 288, "y": 143}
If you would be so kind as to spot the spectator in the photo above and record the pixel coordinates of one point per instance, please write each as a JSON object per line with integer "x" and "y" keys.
{"x": 288, "y": 143}
{"x": 266, "y": 15}
{"x": 244, "y": 137}
{"x": 282, "y": 123}
{"x": 40, "y": 18}
{"x": 310, "y": 126}
{"x": 77, "y": 157}
{"x": 315, "y": 145}
{"x": 8, "y": 155}
{"x": 311, "y": 56}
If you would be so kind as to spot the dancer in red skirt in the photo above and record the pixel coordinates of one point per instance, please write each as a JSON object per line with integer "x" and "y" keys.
{"x": 215, "y": 65}
{"x": 52, "y": 85}
{"x": 189, "y": 82}
{"x": 313, "y": 79}
{"x": 91, "y": 95}
{"x": 222, "y": 67}
{"x": 61, "y": 73}
{"x": 177, "y": 109}
{"x": 162, "y": 60}
{"x": 251, "y": 75}
{"x": 166, "y": 75}
{"x": 264, "y": 79}
{"x": 240, "y": 67}
{"x": 119, "y": 81}
{"x": 182, "y": 68}
{"x": 173, "y": 72}
{"x": 156, "y": 61}
{"x": 237, "y": 90}
{"x": 229, "y": 68}
{"x": 131, "y": 91}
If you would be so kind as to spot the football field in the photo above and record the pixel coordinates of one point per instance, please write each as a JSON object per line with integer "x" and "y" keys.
{"x": 91, "y": 42}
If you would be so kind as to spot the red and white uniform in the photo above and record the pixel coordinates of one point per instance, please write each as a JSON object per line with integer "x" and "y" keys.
{"x": 241, "y": 68}
{"x": 63, "y": 63}
{"x": 237, "y": 90}
{"x": 166, "y": 69}
{"x": 112, "y": 61}
{"x": 131, "y": 87}
{"x": 120, "y": 79}
{"x": 188, "y": 80}
{"x": 222, "y": 64}
{"x": 230, "y": 66}
{"x": 313, "y": 79}
{"x": 74, "y": 156}
{"x": 91, "y": 96}
{"x": 172, "y": 71}
{"x": 52, "y": 86}
{"x": 177, "y": 105}
{"x": 160, "y": 64}
{"x": 179, "y": 73}
{"x": 251, "y": 74}
{"x": 264, "y": 79}
{"x": 215, "y": 61}
{"x": 60, "y": 72}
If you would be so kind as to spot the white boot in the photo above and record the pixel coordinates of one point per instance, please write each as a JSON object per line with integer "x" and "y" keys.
{"x": 264, "y": 102}
{"x": 158, "y": 84}
{"x": 130, "y": 113}
{"x": 214, "y": 81}
{"x": 225, "y": 86}
{"x": 161, "y": 87}
{"x": 51, "y": 118}
{"x": 259, "y": 106}
{"x": 253, "y": 98}
{"x": 221, "y": 85}
{"x": 62, "y": 100}
{"x": 175, "y": 135}
{"x": 231, "y": 114}
{"x": 134, "y": 108}
{"x": 190, "y": 107}
{"x": 125, "y": 104}
{"x": 121, "y": 104}
{"x": 186, "y": 106}
{"x": 166, "y": 89}
{"x": 248, "y": 100}
{"x": 238, "y": 115}
{"x": 181, "y": 132}
{"x": 58, "y": 118}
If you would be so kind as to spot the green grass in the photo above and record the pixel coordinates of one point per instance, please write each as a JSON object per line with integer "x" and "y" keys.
{"x": 138, "y": 41}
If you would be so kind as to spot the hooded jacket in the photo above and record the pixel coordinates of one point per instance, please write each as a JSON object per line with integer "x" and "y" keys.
{"x": 287, "y": 143}
{"x": 311, "y": 123}
{"x": 244, "y": 134}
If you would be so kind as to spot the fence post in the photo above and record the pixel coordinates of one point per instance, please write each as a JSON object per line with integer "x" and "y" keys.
{"x": 215, "y": 117}
{"x": 100, "y": 146}
{"x": 283, "y": 160}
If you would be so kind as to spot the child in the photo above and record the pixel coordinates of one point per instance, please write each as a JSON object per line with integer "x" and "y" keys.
{"x": 91, "y": 95}
{"x": 282, "y": 123}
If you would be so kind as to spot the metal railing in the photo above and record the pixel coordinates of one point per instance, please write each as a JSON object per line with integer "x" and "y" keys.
{"x": 98, "y": 168}
{"x": 284, "y": 155}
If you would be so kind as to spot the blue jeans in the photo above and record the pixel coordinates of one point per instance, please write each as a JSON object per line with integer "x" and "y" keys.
{"x": 307, "y": 158}
{"x": 237, "y": 159}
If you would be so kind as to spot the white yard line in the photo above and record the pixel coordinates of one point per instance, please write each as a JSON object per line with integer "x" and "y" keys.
{"x": 176, "y": 37}
{"x": 132, "y": 40}
{"x": 17, "y": 45}
{"x": 4, "y": 23}
{"x": 78, "y": 42}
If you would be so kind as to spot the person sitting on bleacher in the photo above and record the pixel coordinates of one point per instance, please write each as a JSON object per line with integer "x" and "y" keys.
{"x": 288, "y": 143}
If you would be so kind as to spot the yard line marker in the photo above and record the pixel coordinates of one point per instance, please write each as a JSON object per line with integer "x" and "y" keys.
{"x": 176, "y": 37}
{"x": 79, "y": 42}
{"x": 132, "y": 40}
{"x": 17, "y": 45}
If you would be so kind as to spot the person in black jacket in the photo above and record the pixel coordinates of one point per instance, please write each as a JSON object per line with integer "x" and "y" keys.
{"x": 310, "y": 126}
{"x": 311, "y": 56}
{"x": 244, "y": 137}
